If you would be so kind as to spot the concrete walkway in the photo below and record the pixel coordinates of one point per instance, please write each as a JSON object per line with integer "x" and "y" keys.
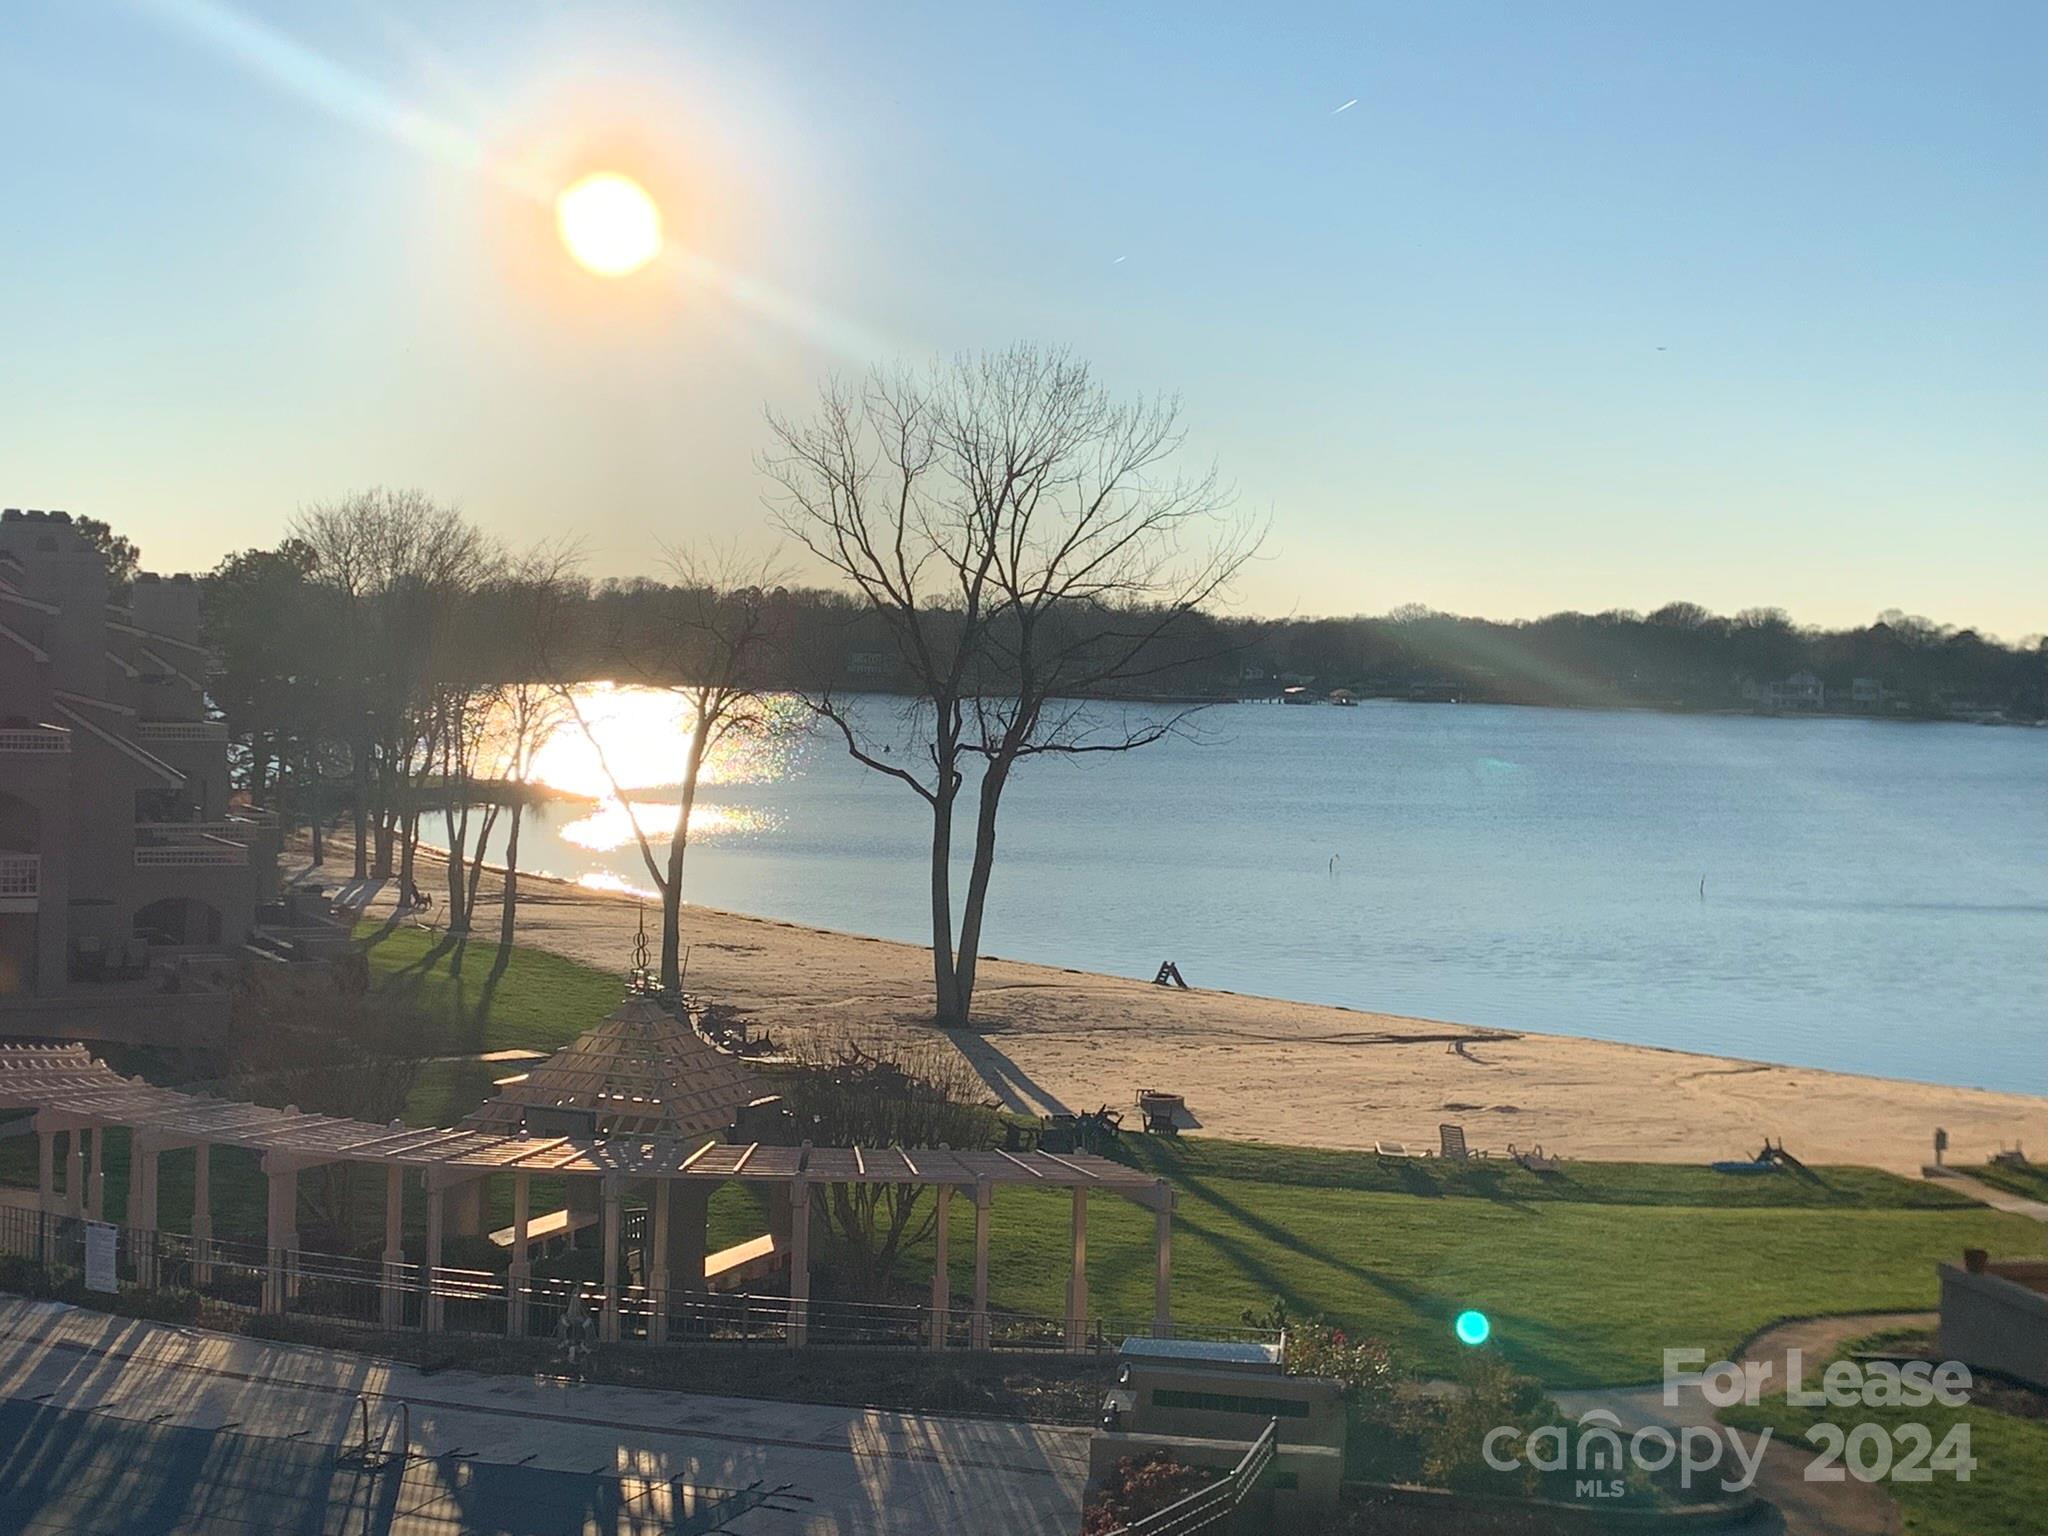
{"x": 116, "y": 1426}
{"x": 1997, "y": 1199}
{"x": 1847, "y": 1508}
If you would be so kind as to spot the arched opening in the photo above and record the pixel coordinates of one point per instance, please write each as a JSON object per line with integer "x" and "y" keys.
{"x": 178, "y": 920}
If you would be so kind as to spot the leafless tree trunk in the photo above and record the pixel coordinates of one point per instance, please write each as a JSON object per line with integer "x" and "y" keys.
{"x": 1034, "y": 558}
{"x": 709, "y": 648}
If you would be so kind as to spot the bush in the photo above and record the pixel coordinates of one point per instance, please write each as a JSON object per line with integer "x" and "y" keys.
{"x": 1141, "y": 1486}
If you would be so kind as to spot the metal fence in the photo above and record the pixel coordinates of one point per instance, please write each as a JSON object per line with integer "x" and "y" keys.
{"x": 369, "y": 1293}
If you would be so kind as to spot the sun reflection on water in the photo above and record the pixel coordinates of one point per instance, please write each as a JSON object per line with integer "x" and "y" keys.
{"x": 644, "y": 733}
{"x": 610, "y": 826}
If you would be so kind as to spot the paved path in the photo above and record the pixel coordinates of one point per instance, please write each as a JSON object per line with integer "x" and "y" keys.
{"x": 1847, "y": 1508}
{"x": 1997, "y": 1199}
{"x": 110, "y": 1425}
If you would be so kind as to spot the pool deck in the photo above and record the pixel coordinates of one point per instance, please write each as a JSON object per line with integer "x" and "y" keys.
{"x": 120, "y": 1427}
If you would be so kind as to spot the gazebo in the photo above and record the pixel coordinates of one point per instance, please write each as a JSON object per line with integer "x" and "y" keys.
{"x": 626, "y": 1093}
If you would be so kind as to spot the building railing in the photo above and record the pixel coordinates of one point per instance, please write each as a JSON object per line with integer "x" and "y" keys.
{"x": 191, "y": 855}
{"x": 240, "y": 829}
{"x": 21, "y": 876}
{"x": 181, "y": 730}
{"x": 1212, "y": 1506}
{"x": 46, "y": 738}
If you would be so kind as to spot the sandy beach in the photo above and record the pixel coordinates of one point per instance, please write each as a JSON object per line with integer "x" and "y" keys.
{"x": 1264, "y": 1069}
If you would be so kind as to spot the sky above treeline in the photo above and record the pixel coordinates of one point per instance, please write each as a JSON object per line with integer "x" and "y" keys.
{"x": 1502, "y": 308}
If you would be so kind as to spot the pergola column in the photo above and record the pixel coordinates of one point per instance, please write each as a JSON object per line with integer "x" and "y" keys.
{"x": 46, "y": 1190}
{"x": 657, "y": 1264}
{"x": 281, "y": 1237}
{"x": 984, "y": 1201}
{"x": 1077, "y": 1277}
{"x": 96, "y": 1180}
{"x": 519, "y": 1277}
{"x": 434, "y": 1316}
{"x": 689, "y": 1204}
{"x": 74, "y": 1174}
{"x": 202, "y": 1214}
{"x": 942, "y": 1274}
{"x": 391, "y": 1289}
{"x": 608, "y": 1322}
{"x": 465, "y": 1214}
{"x": 1162, "y": 1259}
{"x": 142, "y": 1172}
{"x": 799, "y": 1259}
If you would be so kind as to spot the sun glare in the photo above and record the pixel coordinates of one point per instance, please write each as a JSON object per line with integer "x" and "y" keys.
{"x": 609, "y": 224}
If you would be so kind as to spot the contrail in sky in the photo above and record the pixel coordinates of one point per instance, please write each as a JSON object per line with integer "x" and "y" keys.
{"x": 1347, "y": 106}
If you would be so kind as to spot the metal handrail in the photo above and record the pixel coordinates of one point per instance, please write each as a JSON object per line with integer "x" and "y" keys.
{"x": 1215, "y": 1503}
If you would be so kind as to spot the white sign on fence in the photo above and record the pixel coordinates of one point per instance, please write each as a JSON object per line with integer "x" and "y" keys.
{"x": 99, "y": 1256}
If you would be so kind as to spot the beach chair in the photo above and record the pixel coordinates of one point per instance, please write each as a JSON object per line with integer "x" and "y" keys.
{"x": 1536, "y": 1160}
{"x": 1453, "y": 1147}
{"x": 1393, "y": 1151}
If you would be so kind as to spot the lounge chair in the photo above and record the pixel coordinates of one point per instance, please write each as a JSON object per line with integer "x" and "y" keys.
{"x": 1453, "y": 1144}
{"x": 1536, "y": 1160}
{"x": 1394, "y": 1150}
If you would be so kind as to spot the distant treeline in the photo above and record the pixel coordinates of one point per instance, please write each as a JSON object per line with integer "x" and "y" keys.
{"x": 1680, "y": 657}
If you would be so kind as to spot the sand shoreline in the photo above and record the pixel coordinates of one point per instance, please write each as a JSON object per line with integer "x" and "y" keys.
{"x": 1269, "y": 1070}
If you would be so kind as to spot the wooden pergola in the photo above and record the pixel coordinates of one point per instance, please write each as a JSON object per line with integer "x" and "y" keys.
{"x": 72, "y": 1093}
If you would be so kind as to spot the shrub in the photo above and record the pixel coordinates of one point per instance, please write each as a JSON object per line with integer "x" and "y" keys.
{"x": 1141, "y": 1486}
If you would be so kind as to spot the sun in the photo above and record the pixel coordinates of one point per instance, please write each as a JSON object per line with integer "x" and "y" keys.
{"x": 609, "y": 224}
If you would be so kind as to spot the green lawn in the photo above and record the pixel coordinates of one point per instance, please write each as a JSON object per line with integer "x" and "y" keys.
{"x": 1588, "y": 1274}
{"x": 2003, "y": 1492}
{"x": 540, "y": 1003}
{"x": 1579, "y": 1293}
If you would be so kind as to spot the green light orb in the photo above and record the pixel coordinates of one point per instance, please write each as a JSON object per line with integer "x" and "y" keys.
{"x": 1472, "y": 1328}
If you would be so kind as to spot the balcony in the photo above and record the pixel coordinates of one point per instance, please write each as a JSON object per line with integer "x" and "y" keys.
{"x": 35, "y": 738}
{"x": 21, "y": 882}
{"x": 181, "y": 730}
{"x": 202, "y": 852}
{"x": 236, "y": 829}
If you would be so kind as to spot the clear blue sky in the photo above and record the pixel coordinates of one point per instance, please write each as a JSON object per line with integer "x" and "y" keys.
{"x": 1579, "y": 305}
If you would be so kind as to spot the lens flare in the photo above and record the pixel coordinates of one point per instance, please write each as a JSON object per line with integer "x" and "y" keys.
{"x": 1472, "y": 1328}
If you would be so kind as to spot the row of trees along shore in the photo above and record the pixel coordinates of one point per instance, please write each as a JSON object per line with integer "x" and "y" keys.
{"x": 1020, "y": 559}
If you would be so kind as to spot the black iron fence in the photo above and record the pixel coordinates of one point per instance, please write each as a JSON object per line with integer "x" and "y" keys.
{"x": 370, "y": 1293}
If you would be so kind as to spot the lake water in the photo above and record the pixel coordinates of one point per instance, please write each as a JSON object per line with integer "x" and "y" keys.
{"x": 1875, "y": 894}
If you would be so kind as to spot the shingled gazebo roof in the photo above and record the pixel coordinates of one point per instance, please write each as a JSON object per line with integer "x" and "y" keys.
{"x": 641, "y": 1073}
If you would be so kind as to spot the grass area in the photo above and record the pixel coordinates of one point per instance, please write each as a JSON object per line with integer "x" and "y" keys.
{"x": 1579, "y": 1293}
{"x": 541, "y": 1002}
{"x": 2004, "y": 1490}
{"x": 1192, "y": 1159}
{"x": 1588, "y": 1274}
{"x": 2030, "y": 1181}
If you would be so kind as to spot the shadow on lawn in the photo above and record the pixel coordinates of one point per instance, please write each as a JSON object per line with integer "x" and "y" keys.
{"x": 467, "y": 1020}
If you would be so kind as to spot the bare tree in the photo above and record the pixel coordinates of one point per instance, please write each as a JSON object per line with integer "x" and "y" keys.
{"x": 538, "y": 602}
{"x": 706, "y": 638}
{"x": 1035, "y": 559}
{"x": 849, "y": 1094}
{"x": 396, "y": 564}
